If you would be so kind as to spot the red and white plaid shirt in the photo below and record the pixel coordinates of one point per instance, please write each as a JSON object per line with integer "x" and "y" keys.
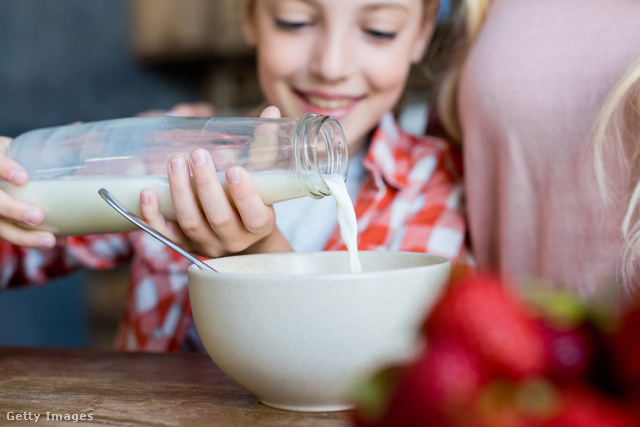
{"x": 411, "y": 200}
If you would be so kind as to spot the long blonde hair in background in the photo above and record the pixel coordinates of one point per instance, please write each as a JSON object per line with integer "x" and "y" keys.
{"x": 471, "y": 17}
{"x": 617, "y": 137}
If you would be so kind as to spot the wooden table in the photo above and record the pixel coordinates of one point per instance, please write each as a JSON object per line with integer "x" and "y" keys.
{"x": 132, "y": 389}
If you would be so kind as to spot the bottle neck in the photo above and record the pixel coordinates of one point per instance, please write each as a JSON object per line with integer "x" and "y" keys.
{"x": 321, "y": 149}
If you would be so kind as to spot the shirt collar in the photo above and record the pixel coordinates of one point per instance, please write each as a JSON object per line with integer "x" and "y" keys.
{"x": 389, "y": 145}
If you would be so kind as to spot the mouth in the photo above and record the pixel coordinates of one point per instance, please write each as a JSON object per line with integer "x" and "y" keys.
{"x": 336, "y": 106}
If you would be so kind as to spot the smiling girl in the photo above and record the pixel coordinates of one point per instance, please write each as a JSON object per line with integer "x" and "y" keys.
{"x": 349, "y": 59}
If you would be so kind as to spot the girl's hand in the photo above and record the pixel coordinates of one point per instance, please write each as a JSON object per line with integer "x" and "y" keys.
{"x": 217, "y": 228}
{"x": 14, "y": 211}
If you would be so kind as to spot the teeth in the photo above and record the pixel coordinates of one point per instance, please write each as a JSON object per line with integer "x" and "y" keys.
{"x": 330, "y": 104}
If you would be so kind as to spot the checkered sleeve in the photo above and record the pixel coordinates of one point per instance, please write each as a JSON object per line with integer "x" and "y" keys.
{"x": 22, "y": 266}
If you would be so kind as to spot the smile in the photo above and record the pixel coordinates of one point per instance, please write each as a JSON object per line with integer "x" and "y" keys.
{"x": 333, "y": 105}
{"x": 330, "y": 104}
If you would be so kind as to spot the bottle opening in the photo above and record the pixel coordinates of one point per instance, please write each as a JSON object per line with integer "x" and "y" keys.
{"x": 323, "y": 152}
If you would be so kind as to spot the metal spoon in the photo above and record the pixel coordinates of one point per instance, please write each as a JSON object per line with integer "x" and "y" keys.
{"x": 118, "y": 206}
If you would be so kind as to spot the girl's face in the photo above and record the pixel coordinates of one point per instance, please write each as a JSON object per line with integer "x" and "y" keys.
{"x": 349, "y": 59}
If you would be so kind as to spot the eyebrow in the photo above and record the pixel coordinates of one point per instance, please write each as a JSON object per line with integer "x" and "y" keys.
{"x": 372, "y": 6}
{"x": 386, "y": 5}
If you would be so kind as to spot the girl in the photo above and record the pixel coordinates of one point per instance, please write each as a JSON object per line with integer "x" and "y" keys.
{"x": 348, "y": 59}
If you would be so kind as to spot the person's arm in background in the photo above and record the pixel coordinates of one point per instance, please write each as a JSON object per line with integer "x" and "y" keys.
{"x": 185, "y": 109}
{"x": 14, "y": 212}
{"x": 33, "y": 256}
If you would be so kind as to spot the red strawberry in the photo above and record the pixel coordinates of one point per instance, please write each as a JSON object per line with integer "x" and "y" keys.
{"x": 624, "y": 352}
{"x": 513, "y": 404}
{"x": 585, "y": 407}
{"x": 570, "y": 352}
{"x": 485, "y": 315}
{"x": 438, "y": 389}
{"x": 372, "y": 397}
{"x": 567, "y": 330}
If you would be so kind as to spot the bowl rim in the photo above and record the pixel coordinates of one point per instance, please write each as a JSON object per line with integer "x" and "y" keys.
{"x": 439, "y": 262}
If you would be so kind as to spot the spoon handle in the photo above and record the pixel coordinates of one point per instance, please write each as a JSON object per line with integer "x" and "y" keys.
{"x": 118, "y": 206}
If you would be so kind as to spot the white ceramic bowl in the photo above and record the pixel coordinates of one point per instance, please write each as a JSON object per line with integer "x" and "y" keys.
{"x": 297, "y": 329}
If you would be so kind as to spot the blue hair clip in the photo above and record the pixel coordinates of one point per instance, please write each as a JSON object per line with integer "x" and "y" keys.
{"x": 443, "y": 11}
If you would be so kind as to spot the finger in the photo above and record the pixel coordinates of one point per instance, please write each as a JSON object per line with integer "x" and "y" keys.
{"x": 271, "y": 112}
{"x": 220, "y": 214}
{"x": 10, "y": 170}
{"x": 5, "y": 142}
{"x": 26, "y": 238}
{"x": 256, "y": 217}
{"x": 20, "y": 211}
{"x": 185, "y": 201}
{"x": 150, "y": 210}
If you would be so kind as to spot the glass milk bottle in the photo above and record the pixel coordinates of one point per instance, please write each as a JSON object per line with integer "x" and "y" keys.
{"x": 67, "y": 165}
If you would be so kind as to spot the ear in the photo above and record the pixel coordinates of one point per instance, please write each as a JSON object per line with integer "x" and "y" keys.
{"x": 249, "y": 22}
{"x": 421, "y": 43}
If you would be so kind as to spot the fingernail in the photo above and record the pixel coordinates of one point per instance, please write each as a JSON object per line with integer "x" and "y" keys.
{"x": 17, "y": 177}
{"x": 198, "y": 158}
{"x": 234, "y": 175}
{"x": 46, "y": 241}
{"x": 33, "y": 217}
{"x": 178, "y": 165}
{"x": 172, "y": 113}
{"x": 144, "y": 198}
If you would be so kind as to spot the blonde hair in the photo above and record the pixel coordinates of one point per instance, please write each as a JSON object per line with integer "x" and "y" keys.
{"x": 467, "y": 19}
{"x": 617, "y": 137}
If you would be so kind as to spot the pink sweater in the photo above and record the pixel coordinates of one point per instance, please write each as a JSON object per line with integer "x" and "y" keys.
{"x": 530, "y": 95}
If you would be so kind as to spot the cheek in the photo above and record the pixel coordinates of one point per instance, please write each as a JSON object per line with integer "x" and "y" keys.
{"x": 383, "y": 77}
{"x": 386, "y": 84}
{"x": 275, "y": 61}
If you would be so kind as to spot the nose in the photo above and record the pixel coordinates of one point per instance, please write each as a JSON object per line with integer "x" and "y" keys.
{"x": 331, "y": 60}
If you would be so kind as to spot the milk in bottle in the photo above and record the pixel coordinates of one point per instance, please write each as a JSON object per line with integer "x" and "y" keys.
{"x": 67, "y": 165}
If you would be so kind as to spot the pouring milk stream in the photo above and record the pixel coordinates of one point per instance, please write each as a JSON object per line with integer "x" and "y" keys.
{"x": 346, "y": 220}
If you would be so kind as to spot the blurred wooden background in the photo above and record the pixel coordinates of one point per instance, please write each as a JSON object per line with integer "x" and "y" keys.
{"x": 205, "y": 33}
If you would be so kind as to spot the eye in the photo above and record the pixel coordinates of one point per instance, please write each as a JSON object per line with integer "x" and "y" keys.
{"x": 381, "y": 35}
{"x": 291, "y": 25}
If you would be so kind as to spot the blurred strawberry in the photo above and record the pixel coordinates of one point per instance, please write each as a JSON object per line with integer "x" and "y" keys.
{"x": 372, "y": 396}
{"x": 515, "y": 404}
{"x": 632, "y": 402}
{"x": 585, "y": 407}
{"x": 570, "y": 352}
{"x": 438, "y": 389}
{"x": 488, "y": 318}
{"x": 624, "y": 352}
{"x": 565, "y": 324}
{"x": 495, "y": 359}
{"x": 537, "y": 403}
